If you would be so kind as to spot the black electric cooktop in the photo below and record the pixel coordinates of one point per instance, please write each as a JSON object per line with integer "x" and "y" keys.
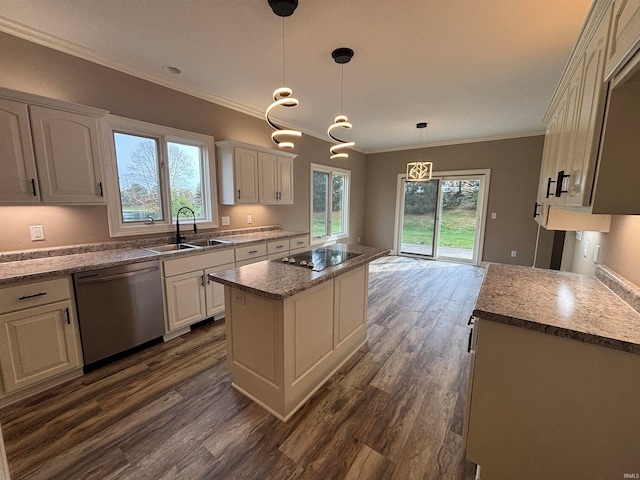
{"x": 318, "y": 258}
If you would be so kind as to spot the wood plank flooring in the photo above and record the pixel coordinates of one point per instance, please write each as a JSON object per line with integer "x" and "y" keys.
{"x": 394, "y": 411}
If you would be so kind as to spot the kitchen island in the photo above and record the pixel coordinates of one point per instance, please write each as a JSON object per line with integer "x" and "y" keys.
{"x": 289, "y": 328}
{"x": 554, "y": 377}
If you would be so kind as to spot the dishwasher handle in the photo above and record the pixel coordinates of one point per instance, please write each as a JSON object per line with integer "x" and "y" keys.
{"x": 97, "y": 278}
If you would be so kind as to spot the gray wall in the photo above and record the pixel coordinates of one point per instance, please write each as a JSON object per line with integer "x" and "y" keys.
{"x": 515, "y": 169}
{"x": 36, "y": 69}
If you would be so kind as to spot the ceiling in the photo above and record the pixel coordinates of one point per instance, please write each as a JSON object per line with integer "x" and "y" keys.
{"x": 472, "y": 69}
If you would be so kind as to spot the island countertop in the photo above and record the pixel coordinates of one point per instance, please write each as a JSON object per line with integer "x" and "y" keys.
{"x": 276, "y": 280}
{"x": 558, "y": 303}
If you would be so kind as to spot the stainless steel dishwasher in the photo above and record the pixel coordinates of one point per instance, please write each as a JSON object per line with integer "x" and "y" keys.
{"x": 118, "y": 308}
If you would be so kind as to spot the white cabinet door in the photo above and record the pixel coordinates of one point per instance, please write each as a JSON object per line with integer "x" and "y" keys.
{"x": 37, "y": 343}
{"x": 68, "y": 156}
{"x": 246, "y": 175}
{"x": 185, "y": 299}
{"x": 624, "y": 37}
{"x": 588, "y": 127}
{"x": 285, "y": 181}
{"x": 18, "y": 182}
{"x": 268, "y": 177}
{"x": 215, "y": 291}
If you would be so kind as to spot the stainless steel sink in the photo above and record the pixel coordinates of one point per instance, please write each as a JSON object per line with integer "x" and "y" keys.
{"x": 207, "y": 242}
{"x": 171, "y": 247}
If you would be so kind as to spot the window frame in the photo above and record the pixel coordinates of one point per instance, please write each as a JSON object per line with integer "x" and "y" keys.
{"x": 346, "y": 201}
{"x": 164, "y": 135}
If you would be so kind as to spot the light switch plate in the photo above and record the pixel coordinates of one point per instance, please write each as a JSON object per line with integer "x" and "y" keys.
{"x": 494, "y": 215}
{"x": 226, "y": 221}
{"x": 249, "y": 219}
{"x": 36, "y": 232}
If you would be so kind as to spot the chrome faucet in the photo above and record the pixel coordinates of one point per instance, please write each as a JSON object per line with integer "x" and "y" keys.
{"x": 179, "y": 237}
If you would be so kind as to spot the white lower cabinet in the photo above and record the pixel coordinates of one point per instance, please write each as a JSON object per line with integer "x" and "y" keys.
{"x": 299, "y": 244}
{"x": 39, "y": 337}
{"x": 190, "y": 297}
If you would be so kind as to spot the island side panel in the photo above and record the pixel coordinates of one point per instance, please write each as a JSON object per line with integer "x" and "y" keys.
{"x": 351, "y": 293}
{"x": 254, "y": 347}
{"x": 544, "y": 406}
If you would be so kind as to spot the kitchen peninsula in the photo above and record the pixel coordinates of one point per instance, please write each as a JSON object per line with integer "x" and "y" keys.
{"x": 290, "y": 327}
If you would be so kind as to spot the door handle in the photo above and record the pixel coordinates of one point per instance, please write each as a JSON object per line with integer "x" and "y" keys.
{"x": 535, "y": 209}
{"x": 33, "y": 187}
{"x": 202, "y": 280}
{"x": 549, "y": 182}
{"x": 238, "y": 194}
{"x": 559, "y": 182}
{"x": 100, "y": 188}
{"x": 470, "y": 338}
{"x": 68, "y": 316}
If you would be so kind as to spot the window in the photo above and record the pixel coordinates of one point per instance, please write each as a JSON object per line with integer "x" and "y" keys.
{"x": 329, "y": 203}
{"x": 156, "y": 170}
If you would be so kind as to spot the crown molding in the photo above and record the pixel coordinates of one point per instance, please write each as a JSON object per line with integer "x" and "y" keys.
{"x": 459, "y": 142}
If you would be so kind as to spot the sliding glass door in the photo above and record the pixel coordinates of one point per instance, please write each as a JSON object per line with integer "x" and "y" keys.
{"x": 441, "y": 218}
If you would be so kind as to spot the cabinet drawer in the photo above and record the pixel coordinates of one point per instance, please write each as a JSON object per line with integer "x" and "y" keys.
{"x": 278, "y": 246}
{"x": 33, "y": 294}
{"x": 299, "y": 243}
{"x": 250, "y": 252}
{"x": 197, "y": 262}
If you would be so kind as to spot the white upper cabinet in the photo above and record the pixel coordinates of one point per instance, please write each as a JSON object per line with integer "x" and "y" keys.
{"x": 588, "y": 165}
{"x": 68, "y": 156}
{"x": 246, "y": 175}
{"x": 249, "y": 174}
{"x": 50, "y": 151}
{"x": 19, "y": 181}
{"x": 276, "y": 179}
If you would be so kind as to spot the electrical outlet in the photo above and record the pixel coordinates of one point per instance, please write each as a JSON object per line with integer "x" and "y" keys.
{"x": 514, "y": 253}
{"x": 37, "y": 232}
{"x": 226, "y": 221}
{"x": 358, "y": 239}
{"x": 249, "y": 219}
{"x": 596, "y": 253}
{"x": 585, "y": 248}
{"x": 494, "y": 215}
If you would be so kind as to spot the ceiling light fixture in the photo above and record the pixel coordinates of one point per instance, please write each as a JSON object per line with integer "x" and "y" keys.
{"x": 341, "y": 56}
{"x": 282, "y": 96}
{"x": 420, "y": 171}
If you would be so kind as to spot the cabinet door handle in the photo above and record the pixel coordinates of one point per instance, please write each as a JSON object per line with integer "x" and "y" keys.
{"x": 238, "y": 194}
{"x": 549, "y": 182}
{"x": 559, "y": 182}
{"x": 470, "y": 338}
{"x": 208, "y": 280}
{"x": 535, "y": 209}
{"x": 100, "y": 188}
{"x": 202, "y": 280}
{"x": 279, "y": 195}
{"x": 33, "y": 187}
{"x": 25, "y": 297}
{"x": 68, "y": 316}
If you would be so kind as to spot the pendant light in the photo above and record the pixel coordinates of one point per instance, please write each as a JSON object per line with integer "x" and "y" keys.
{"x": 282, "y": 97}
{"x": 420, "y": 171}
{"x": 340, "y": 56}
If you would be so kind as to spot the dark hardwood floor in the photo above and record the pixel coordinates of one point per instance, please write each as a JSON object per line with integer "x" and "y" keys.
{"x": 394, "y": 411}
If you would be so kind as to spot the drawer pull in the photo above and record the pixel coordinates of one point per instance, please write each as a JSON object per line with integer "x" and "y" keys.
{"x": 68, "y": 316}
{"x": 251, "y": 252}
{"x": 280, "y": 246}
{"x": 26, "y": 297}
{"x": 300, "y": 243}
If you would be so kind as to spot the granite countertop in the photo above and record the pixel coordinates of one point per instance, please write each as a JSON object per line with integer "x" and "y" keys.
{"x": 276, "y": 280}
{"x": 558, "y": 303}
{"x": 63, "y": 261}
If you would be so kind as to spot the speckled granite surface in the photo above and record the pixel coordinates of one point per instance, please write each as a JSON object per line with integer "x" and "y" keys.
{"x": 47, "y": 263}
{"x": 276, "y": 281}
{"x": 620, "y": 286}
{"x": 558, "y": 303}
